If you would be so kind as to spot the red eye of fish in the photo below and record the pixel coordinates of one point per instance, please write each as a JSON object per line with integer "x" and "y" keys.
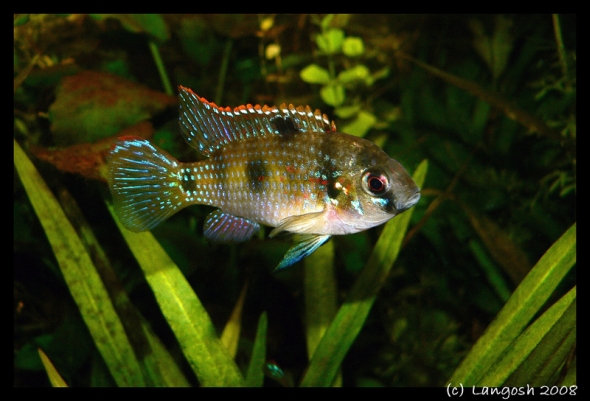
{"x": 375, "y": 184}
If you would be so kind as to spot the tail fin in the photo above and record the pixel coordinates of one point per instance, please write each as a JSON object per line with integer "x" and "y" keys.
{"x": 144, "y": 183}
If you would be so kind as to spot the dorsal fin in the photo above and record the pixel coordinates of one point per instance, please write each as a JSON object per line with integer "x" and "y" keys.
{"x": 208, "y": 127}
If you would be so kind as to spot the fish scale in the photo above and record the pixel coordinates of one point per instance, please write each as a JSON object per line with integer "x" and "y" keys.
{"x": 285, "y": 167}
{"x": 281, "y": 186}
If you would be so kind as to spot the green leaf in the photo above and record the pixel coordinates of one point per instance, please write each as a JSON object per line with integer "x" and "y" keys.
{"x": 231, "y": 332}
{"x": 495, "y": 50}
{"x": 320, "y": 294}
{"x": 330, "y": 41}
{"x": 353, "y": 46}
{"x": 333, "y": 94}
{"x": 92, "y": 105}
{"x": 159, "y": 366}
{"x": 152, "y": 24}
{"x": 526, "y": 301}
{"x": 27, "y": 357}
{"x": 187, "y": 317}
{"x": 314, "y": 74}
{"x": 537, "y": 354}
{"x": 363, "y": 122}
{"x": 255, "y": 374}
{"x": 357, "y": 73}
{"x": 84, "y": 283}
{"x": 54, "y": 377}
{"x": 352, "y": 314}
{"x": 321, "y": 299}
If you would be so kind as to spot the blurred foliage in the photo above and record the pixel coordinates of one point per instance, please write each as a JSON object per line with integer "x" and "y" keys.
{"x": 489, "y": 100}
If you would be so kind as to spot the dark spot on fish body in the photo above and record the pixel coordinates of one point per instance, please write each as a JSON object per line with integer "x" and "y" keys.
{"x": 329, "y": 172}
{"x": 257, "y": 174}
{"x": 286, "y": 126}
{"x": 333, "y": 190}
{"x": 187, "y": 180}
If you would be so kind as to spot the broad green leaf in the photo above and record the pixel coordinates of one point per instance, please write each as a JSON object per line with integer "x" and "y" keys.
{"x": 357, "y": 73}
{"x": 333, "y": 94}
{"x": 526, "y": 301}
{"x": 85, "y": 284}
{"x": 570, "y": 376}
{"x": 160, "y": 363}
{"x": 153, "y": 24}
{"x": 188, "y": 319}
{"x": 330, "y": 41}
{"x": 320, "y": 294}
{"x": 159, "y": 367}
{"x": 255, "y": 374}
{"x": 351, "y": 316}
{"x": 27, "y": 357}
{"x": 92, "y": 105}
{"x": 353, "y": 46}
{"x": 314, "y": 74}
{"x": 538, "y": 353}
{"x": 363, "y": 122}
{"x": 54, "y": 377}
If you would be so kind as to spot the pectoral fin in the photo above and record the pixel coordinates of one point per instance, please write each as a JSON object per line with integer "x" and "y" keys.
{"x": 304, "y": 246}
{"x": 303, "y": 224}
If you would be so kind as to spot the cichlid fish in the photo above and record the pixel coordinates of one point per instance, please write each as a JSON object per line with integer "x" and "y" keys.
{"x": 284, "y": 167}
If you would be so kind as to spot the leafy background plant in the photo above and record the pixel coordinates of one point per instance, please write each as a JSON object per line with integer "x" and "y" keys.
{"x": 489, "y": 100}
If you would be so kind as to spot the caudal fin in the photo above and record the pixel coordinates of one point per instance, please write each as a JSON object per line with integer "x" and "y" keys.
{"x": 144, "y": 183}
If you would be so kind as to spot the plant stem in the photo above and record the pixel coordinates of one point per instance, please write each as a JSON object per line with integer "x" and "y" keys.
{"x": 161, "y": 68}
{"x": 560, "y": 46}
{"x": 223, "y": 71}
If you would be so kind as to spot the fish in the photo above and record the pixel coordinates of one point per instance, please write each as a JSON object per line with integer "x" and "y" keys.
{"x": 284, "y": 167}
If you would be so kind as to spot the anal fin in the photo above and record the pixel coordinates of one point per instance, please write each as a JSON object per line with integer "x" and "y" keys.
{"x": 304, "y": 246}
{"x": 225, "y": 227}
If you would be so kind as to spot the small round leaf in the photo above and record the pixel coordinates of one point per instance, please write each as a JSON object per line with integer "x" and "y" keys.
{"x": 314, "y": 74}
{"x": 333, "y": 95}
{"x": 353, "y": 46}
{"x": 356, "y": 73}
{"x": 330, "y": 41}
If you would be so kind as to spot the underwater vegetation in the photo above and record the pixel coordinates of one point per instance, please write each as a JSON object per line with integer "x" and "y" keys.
{"x": 475, "y": 284}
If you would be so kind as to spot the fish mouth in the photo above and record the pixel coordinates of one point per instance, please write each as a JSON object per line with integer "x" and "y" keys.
{"x": 404, "y": 204}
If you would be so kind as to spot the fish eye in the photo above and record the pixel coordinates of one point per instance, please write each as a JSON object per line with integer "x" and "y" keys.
{"x": 375, "y": 183}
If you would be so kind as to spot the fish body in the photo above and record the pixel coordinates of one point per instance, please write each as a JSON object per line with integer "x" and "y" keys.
{"x": 284, "y": 167}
